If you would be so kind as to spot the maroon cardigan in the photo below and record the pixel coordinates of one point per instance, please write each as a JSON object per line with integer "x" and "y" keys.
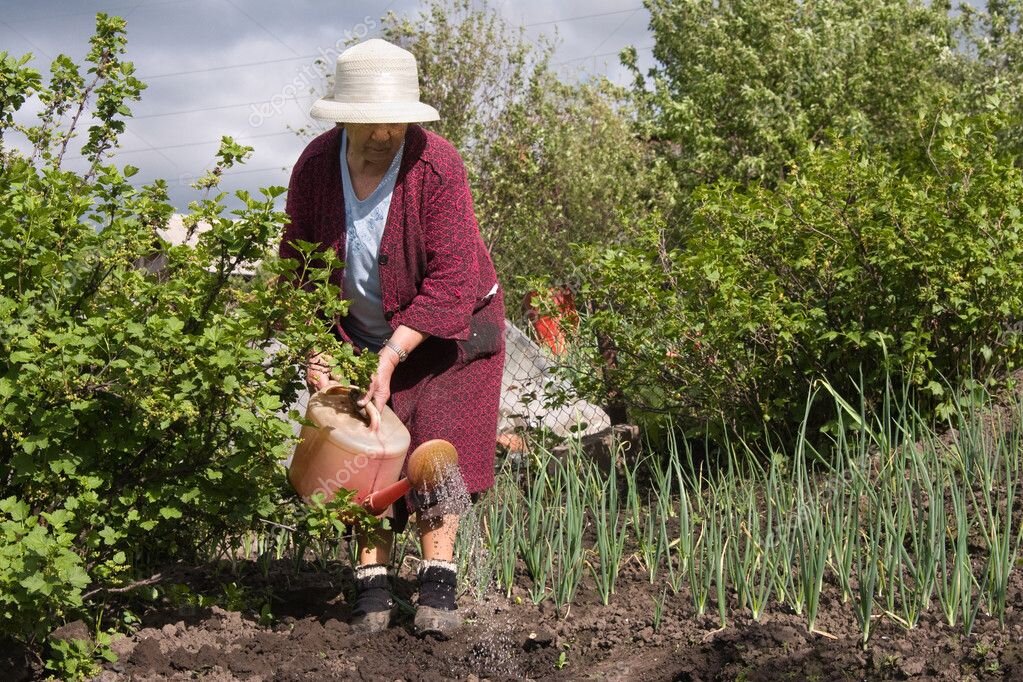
{"x": 434, "y": 267}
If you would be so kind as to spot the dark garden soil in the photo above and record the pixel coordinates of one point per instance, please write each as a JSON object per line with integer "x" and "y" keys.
{"x": 511, "y": 639}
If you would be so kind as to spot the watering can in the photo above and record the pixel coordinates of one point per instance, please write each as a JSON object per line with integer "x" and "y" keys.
{"x": 338, "y": 450}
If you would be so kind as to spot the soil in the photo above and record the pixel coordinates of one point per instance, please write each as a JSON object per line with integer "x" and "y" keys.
{"x": 512, "y": 639}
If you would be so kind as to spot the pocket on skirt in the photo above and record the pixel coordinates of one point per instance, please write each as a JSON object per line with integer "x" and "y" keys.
{"x": 485, "y": 337}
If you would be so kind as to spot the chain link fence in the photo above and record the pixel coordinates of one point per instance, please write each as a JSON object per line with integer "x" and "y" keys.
{"x": 534, "y": 400}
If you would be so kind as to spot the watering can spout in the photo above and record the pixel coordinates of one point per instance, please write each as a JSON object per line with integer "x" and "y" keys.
{"x": 377, "y": 502}
{"x": 429, "y": 466}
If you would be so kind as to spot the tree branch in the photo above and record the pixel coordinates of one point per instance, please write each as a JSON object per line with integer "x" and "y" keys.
{"x": 125, "y": 588}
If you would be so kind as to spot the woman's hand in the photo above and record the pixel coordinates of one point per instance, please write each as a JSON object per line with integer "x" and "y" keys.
{"x": 379, "y": 391}
{"x": 318, "y": 373}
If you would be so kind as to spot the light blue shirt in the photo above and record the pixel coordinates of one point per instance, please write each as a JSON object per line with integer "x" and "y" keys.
{"x": 364, "y": 228}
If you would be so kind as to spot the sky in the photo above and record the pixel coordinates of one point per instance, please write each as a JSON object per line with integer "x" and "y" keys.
{"x": 245, "y": 68}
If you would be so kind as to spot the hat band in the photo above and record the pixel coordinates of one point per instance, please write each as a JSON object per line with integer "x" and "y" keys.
{"x": 364, "y": 88}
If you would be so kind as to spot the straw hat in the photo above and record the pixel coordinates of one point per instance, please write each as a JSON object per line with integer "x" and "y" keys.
{"x": 375, "y": 82}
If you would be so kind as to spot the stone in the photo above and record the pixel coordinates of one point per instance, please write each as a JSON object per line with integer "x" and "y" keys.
{"x": 76, "y": 629}
{"x": 538, "y": 639}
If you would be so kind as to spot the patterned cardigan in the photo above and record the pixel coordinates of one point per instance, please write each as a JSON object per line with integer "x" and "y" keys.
{"x": 435, "y": 270}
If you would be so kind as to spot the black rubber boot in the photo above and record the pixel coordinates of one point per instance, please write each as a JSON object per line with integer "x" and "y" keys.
{"x": 436, "y": 612}
{"x": 374, "y": 604}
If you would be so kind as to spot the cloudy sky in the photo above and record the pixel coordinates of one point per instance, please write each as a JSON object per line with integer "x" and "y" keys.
{"x": 223, "y": 67}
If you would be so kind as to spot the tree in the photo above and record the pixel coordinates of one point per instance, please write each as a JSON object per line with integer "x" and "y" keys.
{"x": 550, "y": 163}
{"x": 743, "y": 86}
{"x": 848, "y": 211}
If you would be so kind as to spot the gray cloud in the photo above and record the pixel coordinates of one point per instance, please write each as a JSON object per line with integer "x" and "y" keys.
{"x": 246, "y": 67}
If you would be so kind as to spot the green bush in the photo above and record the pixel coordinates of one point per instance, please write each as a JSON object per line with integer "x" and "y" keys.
{"x": 846, "y": 197}
{"x": 847, "y": 271}
{"x": 141, "y": 384}
{"x": 741, "y": 86}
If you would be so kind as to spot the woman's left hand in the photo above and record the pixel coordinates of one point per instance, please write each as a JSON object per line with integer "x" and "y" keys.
{"x": 379, "y": 388}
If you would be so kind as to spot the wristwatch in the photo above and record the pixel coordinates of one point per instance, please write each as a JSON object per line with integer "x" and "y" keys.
{"x": 398, "y": 350}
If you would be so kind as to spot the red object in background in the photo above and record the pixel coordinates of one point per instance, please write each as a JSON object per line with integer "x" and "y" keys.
{"x": 550, "y": 329}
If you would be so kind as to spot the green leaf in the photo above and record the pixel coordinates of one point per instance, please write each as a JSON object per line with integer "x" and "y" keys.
{"x": 110, "y": 535}
{"x": 58, "y": 518}
{"x": 36, "y": 583}
{"x": 17, "y": 509}
{"x": 32, "y": 443}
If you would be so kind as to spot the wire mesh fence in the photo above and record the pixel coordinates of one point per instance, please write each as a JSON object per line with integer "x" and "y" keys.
{"x": 534, "y": 399}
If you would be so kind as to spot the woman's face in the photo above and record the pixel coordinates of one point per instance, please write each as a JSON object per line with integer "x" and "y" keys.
{"x": 375, "y": 142}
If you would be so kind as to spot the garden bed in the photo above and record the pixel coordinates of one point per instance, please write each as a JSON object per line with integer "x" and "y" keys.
{"x": 899, "y": 560}
{"x": 506, "y": 639}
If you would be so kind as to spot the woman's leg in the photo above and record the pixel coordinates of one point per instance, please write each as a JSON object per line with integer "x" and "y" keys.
{"x": 437, "y": 536}
{"x": 375, "y": 548}
{"x": 373, "y": 602}
{"x": 438, "y": 396}
{"x": 436, "y": 612}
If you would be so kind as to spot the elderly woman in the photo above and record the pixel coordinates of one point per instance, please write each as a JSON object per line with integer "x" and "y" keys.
{"x": 393, "y": 200}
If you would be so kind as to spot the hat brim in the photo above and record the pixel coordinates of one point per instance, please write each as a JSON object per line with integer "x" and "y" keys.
{"x": 329, "y": 109}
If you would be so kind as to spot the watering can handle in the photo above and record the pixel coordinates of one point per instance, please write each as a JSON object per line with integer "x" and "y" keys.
{"x": 372, "y": 413}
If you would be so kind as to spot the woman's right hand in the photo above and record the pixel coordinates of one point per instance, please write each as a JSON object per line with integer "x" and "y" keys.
{"x": 318, "y": 374}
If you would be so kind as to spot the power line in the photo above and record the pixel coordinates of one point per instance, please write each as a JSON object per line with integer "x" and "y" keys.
{"x": 583, "y": 16}
{"x": 254, "y": 63}
{"x": 283, "y": 60}
{"x": 617, "y": 28}
{"x": 229, "y": 66}
{"x": 25, "y": 38}
{"x": 220, "y": 107}
{"x": 260, "y": 24}
{"x": 594, "y": 56}
{"x": 255, "y": 170}
{"x": 188, "y": 144}
{"x": 188, "y": 178}
{"x": 228, "y": 173}
{"x": 201, "y": 109}
{"x": 51, "y": 17}
{"x": 152, "y": 148}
